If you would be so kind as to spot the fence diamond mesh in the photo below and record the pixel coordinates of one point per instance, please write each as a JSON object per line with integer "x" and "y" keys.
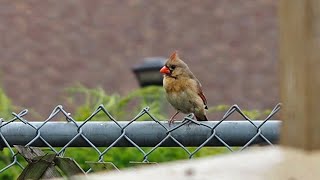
{"x": 102, "y": 136}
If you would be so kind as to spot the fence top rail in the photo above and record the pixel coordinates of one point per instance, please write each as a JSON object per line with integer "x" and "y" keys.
{"x": 143, "y": 133}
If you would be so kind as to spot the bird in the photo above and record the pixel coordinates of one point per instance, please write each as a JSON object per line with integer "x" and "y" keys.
{"x": 183, "y": 90}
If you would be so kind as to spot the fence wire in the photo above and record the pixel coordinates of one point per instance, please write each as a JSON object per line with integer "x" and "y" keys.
{"x": 170, "y": 133}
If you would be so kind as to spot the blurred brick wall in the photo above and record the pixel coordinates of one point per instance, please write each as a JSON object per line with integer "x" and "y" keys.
{"x": 47, "y": 46}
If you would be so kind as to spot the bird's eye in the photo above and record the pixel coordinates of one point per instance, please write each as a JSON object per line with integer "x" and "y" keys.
{"x": 173, "y": 67}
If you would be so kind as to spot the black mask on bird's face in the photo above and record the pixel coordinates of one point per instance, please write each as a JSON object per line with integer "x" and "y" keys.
{"x": 168, "y": 69}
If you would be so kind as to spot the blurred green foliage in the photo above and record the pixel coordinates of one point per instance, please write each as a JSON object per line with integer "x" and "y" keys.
{"x": 6, "y": 108}
{"x": 121, "y": 108}
{"x": 252, "y": 114}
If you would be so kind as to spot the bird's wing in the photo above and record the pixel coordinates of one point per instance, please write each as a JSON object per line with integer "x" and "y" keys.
{"x": 200, "y": 93}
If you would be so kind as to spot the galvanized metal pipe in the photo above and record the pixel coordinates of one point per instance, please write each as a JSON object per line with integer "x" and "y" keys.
{"x": 143, "y": 133}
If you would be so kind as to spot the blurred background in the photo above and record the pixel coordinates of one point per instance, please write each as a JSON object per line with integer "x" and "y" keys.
{"x": 81, "y": 53}
{"x": 48, "y": 46}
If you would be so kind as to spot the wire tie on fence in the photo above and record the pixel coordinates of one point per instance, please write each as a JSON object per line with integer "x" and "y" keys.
{"x": 22, "y": 113}
{"x": 190, "y": 120}
{"x": 146, "y": 109}
{"x": 20, "y": 118}
{"x": 68, "y": 117}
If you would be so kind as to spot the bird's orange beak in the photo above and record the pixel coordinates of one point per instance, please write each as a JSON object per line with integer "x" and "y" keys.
{"x": 165, "y": 70}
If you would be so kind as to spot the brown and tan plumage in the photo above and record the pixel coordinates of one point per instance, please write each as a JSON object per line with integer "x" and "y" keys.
{"x": 183, "y": 89}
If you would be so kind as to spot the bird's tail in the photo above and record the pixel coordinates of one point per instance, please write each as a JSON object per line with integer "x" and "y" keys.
{"x": 202, "y": 118}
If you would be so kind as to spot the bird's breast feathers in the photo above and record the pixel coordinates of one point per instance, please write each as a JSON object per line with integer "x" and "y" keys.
{"x": 181, "y": 101}
{"x": 174, "y": 85}
{"x": 181, "y": 95}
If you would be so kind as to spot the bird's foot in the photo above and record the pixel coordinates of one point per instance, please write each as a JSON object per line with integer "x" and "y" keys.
{"x": 187, "y": 121}
{"x": 172, "y": 118}
{"x": 171, "y": 121}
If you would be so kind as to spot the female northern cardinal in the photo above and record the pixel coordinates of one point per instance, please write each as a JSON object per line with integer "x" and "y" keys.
{"x": 183, "y": 89}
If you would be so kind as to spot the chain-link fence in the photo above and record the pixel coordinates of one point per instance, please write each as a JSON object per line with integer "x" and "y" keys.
{"x": 102, "y": 136}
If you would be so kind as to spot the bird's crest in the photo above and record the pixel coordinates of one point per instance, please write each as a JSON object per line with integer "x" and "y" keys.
{"x": 174, "y": 55}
